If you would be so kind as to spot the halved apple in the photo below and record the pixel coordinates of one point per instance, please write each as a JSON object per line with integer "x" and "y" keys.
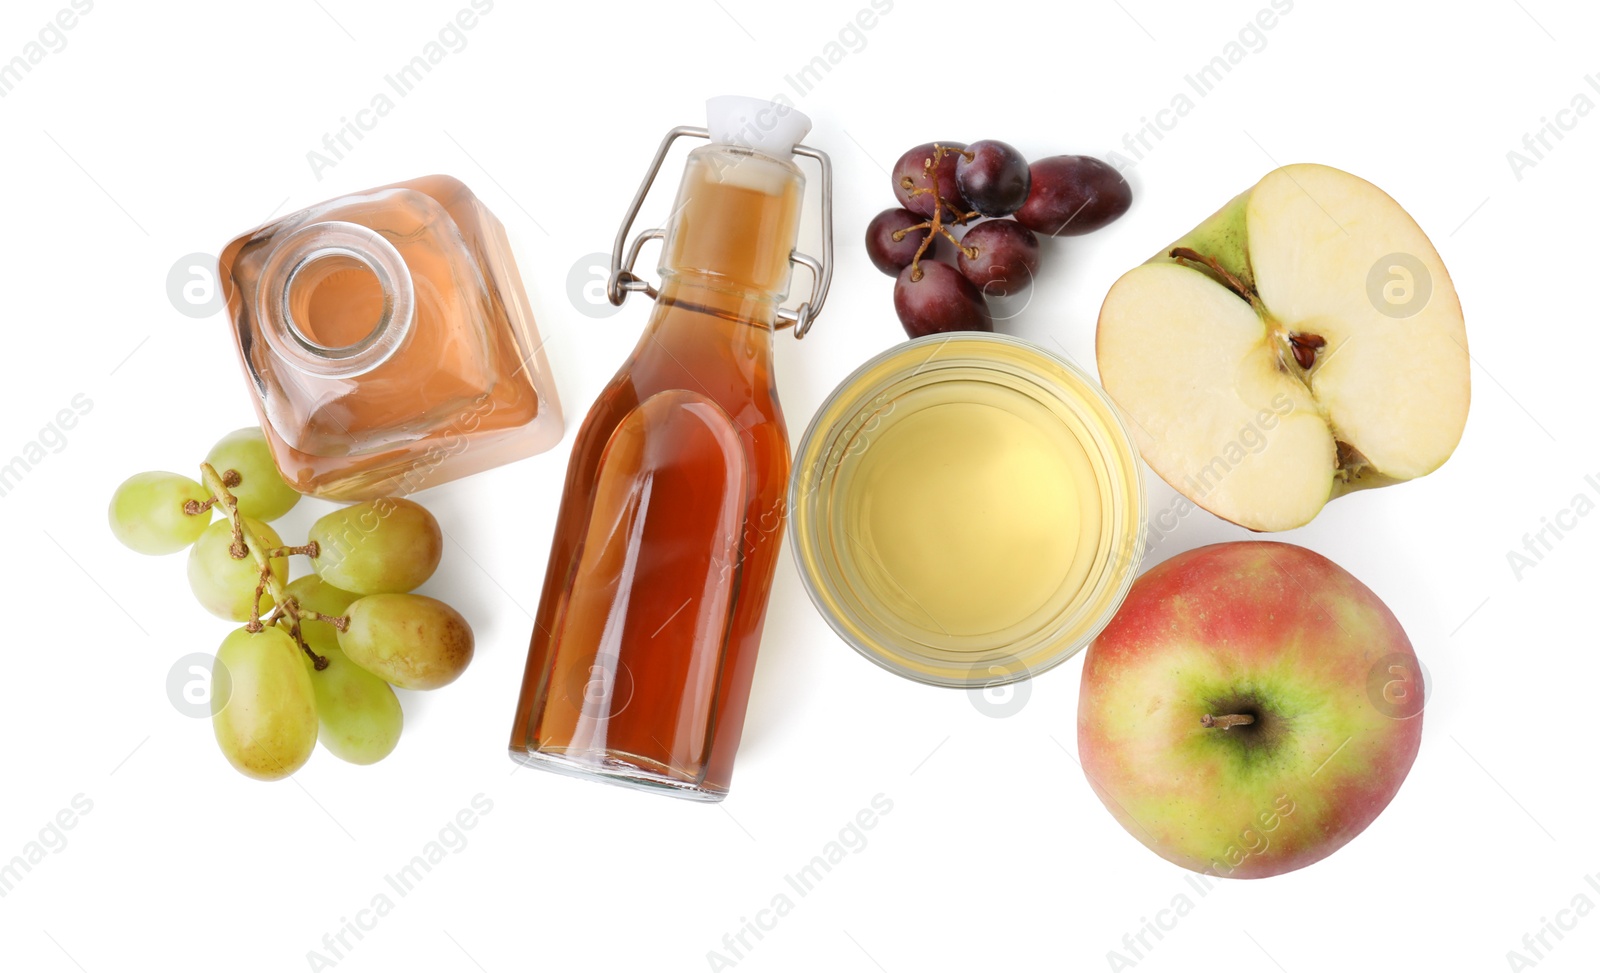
{"x": 1302, "y": 343}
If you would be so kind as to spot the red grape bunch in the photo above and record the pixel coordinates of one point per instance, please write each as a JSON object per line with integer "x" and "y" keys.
{"x": 990, "y": 186}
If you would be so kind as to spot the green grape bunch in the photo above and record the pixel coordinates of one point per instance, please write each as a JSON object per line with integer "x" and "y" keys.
{"x": 316, "y": 658}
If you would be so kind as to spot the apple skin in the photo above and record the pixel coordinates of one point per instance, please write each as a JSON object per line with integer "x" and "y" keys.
{"x": 1245, "y": 625}
{"x": 1223, "y": 236}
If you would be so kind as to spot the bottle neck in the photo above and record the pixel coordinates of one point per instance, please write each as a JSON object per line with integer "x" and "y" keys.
{"x": 709, "y": 295}
{"x": 335, "y": 299}
{"x": 702, "y": 332}
{"x": 732, "y": 232}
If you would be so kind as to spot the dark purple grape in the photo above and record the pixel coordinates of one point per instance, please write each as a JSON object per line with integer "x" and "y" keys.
{"x": 942, "y": 300}
{"x": 1008, "y": 257}
{"x": 1073, "y": 195}
{"x": 995, "y": 180}
{"x": 910, "y": 167}
{"x": 886, "y": 253}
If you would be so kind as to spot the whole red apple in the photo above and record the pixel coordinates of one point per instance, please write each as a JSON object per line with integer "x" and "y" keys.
{"x": 1250, "y": 709}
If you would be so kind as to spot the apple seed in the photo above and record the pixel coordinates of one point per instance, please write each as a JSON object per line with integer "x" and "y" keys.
{"x": 1305, "y": 348}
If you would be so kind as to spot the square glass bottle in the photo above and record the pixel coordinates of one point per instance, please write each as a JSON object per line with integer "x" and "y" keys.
{"x": 388, "y": 341}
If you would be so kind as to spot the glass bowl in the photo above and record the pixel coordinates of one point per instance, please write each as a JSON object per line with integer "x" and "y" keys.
{"x": 967, "y": 510}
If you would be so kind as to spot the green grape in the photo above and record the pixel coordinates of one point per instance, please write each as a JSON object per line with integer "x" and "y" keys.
{"x": 226, "y": 585}
{"x": 261, "y": 492}
{"x": 359, "y": 714}
{"x": 267, "y": 723}
{"x": 383, "y": 546}
{"x": 413, "y": 641}
{"x": 147, "y": 512}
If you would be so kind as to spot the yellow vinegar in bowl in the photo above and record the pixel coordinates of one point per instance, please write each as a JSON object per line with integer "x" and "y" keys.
{"x": 967, "y": 510}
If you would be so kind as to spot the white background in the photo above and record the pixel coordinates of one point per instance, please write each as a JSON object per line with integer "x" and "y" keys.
{"x": 163, "y": 129}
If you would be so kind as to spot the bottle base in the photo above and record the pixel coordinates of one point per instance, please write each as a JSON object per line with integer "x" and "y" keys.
{"x": 614, "y": 770}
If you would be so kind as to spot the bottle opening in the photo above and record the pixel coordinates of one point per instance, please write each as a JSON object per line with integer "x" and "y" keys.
{"x": 336, "y": 300}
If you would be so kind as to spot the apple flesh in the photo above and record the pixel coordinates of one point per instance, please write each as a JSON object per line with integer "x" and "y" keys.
{"x": 1228, "y": 717}
{"x": 1302, "y": 343}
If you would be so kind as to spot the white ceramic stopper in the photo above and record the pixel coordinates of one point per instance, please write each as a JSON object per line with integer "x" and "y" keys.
{"x": 768, "y": 127}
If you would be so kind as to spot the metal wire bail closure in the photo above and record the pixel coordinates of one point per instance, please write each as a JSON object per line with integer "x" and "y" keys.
{"x": 623, "y": 281}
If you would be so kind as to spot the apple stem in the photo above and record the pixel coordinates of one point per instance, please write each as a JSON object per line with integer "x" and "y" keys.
{"x": 1227, "y": 722}
{"x": 1210, "y": 263}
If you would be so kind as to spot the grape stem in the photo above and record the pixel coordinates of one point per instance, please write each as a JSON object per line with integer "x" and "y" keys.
{"x": 255, "y": 606}
{"x": 309, "y": 549}
{"x": 267, "y": 619}
{"x": 193, "y": 508}
{"x": 935, "y": 226}
{"x": 340, "y": 622}
{"x": 247, "y": 544}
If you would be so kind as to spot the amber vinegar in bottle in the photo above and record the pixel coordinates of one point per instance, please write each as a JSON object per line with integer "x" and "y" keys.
{"x": 644, "y": 646}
